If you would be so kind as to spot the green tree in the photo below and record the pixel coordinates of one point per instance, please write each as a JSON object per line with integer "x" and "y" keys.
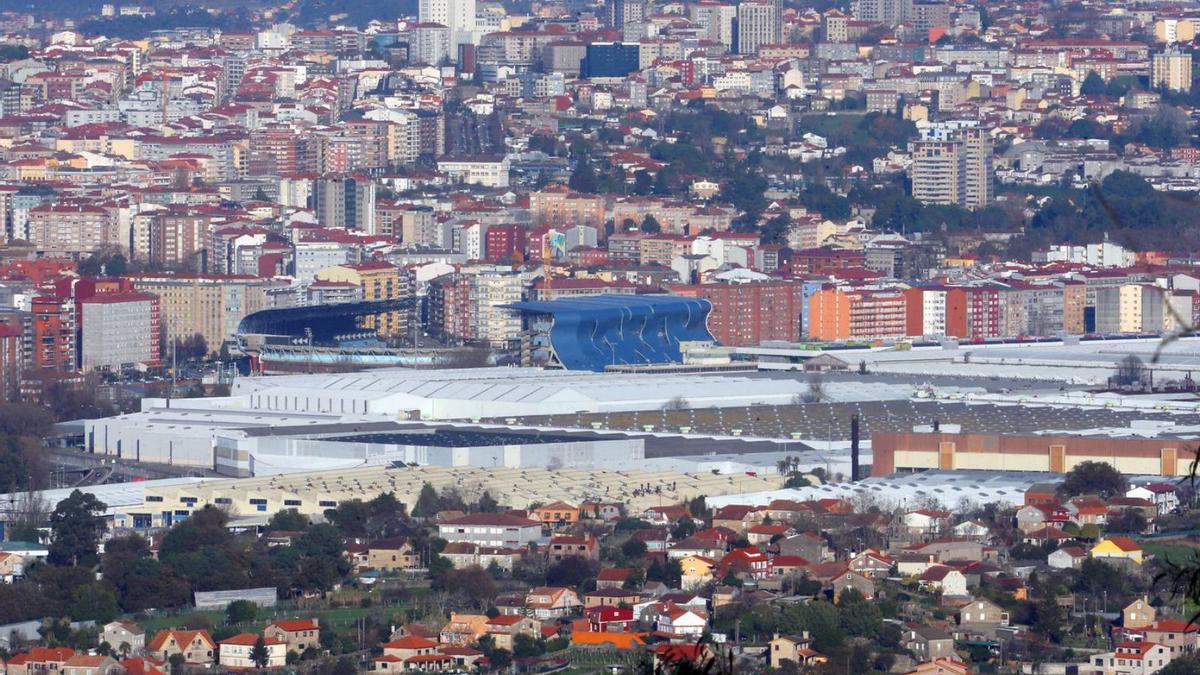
{"x": 1093, "y": 85}
{"x": 583, "y": 179}
{"x": 744, "y": 190}
{"x": 1093, "y": 478}
{"x": 775, "y": 230}
{"x": 258, "y": 654}
{"x": 643, "y": 184}
{"x": 1048, "y": 617}
{"x": 1130, "y": 521}
{"x": 76, "y": 525}
{"x": 350, "y": 517}
{"x": 241, "y": 611}
{"x": 650, "y": 225}
{"x": 428, "y": 504}
{"x": 526, "y": 646}
{"x": 500, "y": 659}
{"x": 288, "y": 520}
{"x": 859, "y": 618}
{"x": 633, "y": 549}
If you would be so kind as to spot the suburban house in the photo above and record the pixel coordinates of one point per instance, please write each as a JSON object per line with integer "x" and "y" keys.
{"x": 680, "y": 622}
{"x": 12, "y": 567}
{"x": 299, "y": 634}
{"x": 392, "y": 554}
{"x": 765, "y": 533}
{"x": 1177, "y": 635}
{"x": 545, "y": 602}
{"x": 88, "y": 664}
{"x": 613, "y": 577}
{"x": 410, "y": 653}
{"x": 1138, "y": 614}
{"x": 696, "y": 571}
{"x": 1118, "y": 548}
{"x": 143, "y": 665}
{"x": 981, "y": 617}
{"x": 555, "y": 514}
{"x": 463, "y": 629}
{"x": 123, "y": 636}
{"x": 504, "y": 628}
{"x": 601, "y": 510}
{"x": 1162, "y": 495}
{"x": 737, "y": 517}
{"x": 745, "y": 562}
{"x": 795, "y": 648}
{"x": 463, "y": 554}
{"x": 196, "y": 646}
{"x": 1132, "y": 658}
{"x": 872, "y": 563}
{"x": 707, "y": 548}
{"x": 1036, "y": 516}
{"x": 807, "y": 545}
{"x": 606, "y": 619}
{"x": 851, "y": 579}
{"x": 1087, "y": 510}
{"x": 946, "y": 666}
{"x": 567, "y": 546}
{"x": 945, "y": 579}
{"x": 1067, "y": 557}
{"x": 927, "y": 642}
{"x": 491, "y": 529}
{"x": 611, "y": 597}
{"x": 39, "y": 660}
{"x": 238, "y": 651}
{"x": 925, "y": 522}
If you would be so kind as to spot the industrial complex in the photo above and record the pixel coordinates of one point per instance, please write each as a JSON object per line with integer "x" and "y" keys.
{"x": 985, "y": 409}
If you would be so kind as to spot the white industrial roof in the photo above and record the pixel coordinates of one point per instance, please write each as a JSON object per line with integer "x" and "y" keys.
{"x": 115, "y": 496}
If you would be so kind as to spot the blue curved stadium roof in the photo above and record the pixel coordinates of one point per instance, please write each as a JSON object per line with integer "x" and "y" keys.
{"x": 595, "y": 331}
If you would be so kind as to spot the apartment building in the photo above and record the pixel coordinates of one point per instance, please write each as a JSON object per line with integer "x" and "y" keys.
{"x": 491, "y": 529}
{"x": 559, "y": 206}
{"x": 749, "y": 313}
{"x": 857, "y": 314}
{"x": 376, "y": 280}
{"x": 119, "y": 330}
{"x": 208, "y": 304}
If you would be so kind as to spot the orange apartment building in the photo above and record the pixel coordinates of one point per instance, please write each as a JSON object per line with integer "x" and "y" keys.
{"x": 558, "y": 205}
{"x": 857, "y": 314}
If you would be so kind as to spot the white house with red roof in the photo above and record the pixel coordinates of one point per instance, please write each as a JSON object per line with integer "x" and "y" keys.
{"x": 945, "y": 579}
{"x": 238, "y": 651}
{"x": 680, "y": 622}
{"x": 1131, "y": 658}
{"x": 1162, "y": 495}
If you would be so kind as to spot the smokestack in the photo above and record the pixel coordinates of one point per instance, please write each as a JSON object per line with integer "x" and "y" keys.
{"x": 854, "y": 448}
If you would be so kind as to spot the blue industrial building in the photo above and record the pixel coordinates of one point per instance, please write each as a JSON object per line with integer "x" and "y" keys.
{"x": 595, "y": 332}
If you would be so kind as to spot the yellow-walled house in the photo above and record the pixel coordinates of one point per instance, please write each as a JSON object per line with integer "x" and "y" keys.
{"x": 696, "y": 571}
{"x": 1118, "y": 547}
